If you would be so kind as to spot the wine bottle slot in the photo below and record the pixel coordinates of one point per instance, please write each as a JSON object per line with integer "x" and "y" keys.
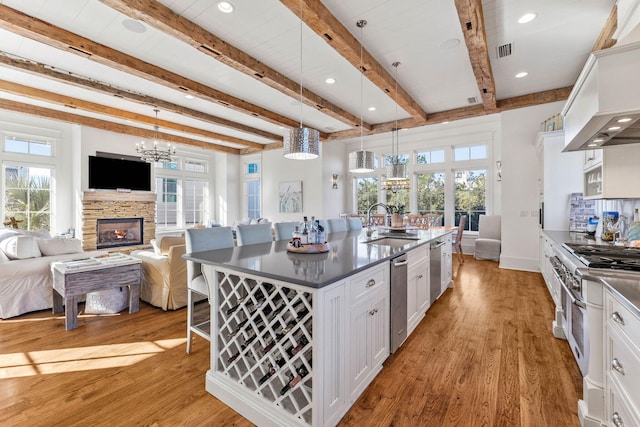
{"x": 293, "y": 350}
{"x": 294, "y": 380}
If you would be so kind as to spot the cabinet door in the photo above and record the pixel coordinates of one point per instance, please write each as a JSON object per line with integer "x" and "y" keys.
{"x": 412, "y": 299}
{"x": 359, "y": 346}
{"x": 422, "y": 287}
{"x": 379, "y": 329}
{"x": 445, "y": 265}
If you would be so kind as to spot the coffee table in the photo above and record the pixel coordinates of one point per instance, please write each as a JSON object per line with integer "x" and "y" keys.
{"x": 73, "y": 279}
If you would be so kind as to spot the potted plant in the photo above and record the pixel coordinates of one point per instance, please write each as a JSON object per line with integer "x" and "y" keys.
{"x": 397, "y": 215}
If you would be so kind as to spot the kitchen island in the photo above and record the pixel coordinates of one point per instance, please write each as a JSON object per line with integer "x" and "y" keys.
{"x": 296, "y": 338}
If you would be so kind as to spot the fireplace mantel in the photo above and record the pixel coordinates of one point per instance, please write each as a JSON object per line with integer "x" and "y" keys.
{"x": 108, "y": 196}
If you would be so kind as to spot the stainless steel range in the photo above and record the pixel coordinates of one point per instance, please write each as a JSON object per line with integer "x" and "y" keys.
{"x": 583, "y": 269}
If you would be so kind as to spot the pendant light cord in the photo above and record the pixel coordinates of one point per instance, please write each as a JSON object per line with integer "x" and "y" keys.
{"x": 361, "y": 24}
{"x": 301, "y": 63}
{"x": 395, "y": 147}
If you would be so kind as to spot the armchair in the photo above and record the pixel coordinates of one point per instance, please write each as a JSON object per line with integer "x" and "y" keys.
{"x": 488, "y": 243}
{"x": 164, "y": 274}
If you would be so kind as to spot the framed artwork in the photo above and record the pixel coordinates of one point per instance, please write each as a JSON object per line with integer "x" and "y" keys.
{"x": 290, "y": 197}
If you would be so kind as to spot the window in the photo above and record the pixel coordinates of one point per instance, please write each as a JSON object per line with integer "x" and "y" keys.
{"x": 253, "y": 168}
{"x": 429, "y": 157}
{"x": 27, "y": 146}
{"x": 470, "y": 195}
{"x": 403, "y": 159}
{"x": 28, "y": 196}
{"x": 253, "y": 198}
{"x": 182, "y": 193}
{"x": 431, "y": 193}
{"x": 472, "y": 152}
{"x": 166, "y": 202}
{"x": 194, "y": 197}
{"x": 366, "y": 192}
{"x": 397, "y": 198}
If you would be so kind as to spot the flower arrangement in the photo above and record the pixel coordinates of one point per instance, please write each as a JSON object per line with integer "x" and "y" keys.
{"x": 397, "y": 209}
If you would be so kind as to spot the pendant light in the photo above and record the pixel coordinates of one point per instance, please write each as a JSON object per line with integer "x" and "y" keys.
{"x": 362, "y": 161}
{"x": 301, "y": 143}
{"x": 396, "y": 171}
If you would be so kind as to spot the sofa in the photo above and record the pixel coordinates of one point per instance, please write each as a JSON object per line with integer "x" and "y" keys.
{"x": 164, "y": 273}
{"x": 26, "y": 282}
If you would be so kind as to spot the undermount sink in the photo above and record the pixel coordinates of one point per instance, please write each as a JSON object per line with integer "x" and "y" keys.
{"x": 396, "y": 242}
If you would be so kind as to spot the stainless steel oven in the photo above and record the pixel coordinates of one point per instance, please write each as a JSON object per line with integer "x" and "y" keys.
{"x": 575, "y": 321}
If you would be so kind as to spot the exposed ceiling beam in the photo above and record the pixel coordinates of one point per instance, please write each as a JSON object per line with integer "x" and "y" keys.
{"x": 67, "y": 77}
{"x": 109, "y": 126}
{"x": 529, "y": 100}
{"x": 161, "y": 17}
{"x": 472, "y": 21}
{"x": 43, "y": 32}
{"x": 322, "y": 22}
{"x": 605, "y": 39}
{"x": 71, "y": 102}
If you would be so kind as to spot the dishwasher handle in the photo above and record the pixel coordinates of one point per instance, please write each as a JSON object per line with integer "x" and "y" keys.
{"x": 400, "y": 263}
{"x": 437, "y": 244}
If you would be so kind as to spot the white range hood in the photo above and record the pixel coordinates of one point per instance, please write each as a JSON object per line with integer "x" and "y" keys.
{"x": 603, "y": 108}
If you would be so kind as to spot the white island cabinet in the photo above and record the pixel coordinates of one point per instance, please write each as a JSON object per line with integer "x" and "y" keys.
{"x": 297, "y": 338}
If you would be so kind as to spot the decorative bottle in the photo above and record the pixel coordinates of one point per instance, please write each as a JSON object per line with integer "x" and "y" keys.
{"x": 305, "y": 231}
{"x": 297, "y": 239}
{"x": 313, "y": 233}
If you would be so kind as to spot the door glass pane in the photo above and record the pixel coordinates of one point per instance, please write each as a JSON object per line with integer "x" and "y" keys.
{"x": 366, "y": 193}
{"x": 470, "y": 195}
{"x": 27, "y": 196}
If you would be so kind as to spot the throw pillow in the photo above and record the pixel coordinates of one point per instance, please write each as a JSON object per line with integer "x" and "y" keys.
{"x": 3, "y": 258}
{"x": 20, "y": 247}
{"x": 56, "y": 246}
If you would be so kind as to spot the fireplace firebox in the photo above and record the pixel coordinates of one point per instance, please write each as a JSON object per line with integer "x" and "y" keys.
{"x": 114, "y": 232}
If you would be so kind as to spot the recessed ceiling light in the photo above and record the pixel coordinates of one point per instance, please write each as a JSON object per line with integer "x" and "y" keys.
{"x": 521, "y": 75}
{"x": 189, "y": 96}
{"x": 624, "y": 120}
{"x": 134, "y": 26}
{"x": 449, "y": 44}
{"x": 527, "y": 17}
{"x": 614, "y": 128}
{"x": 592, "y": 144}
{"x": 598, "y": 140}
{"x": 372, "y": 108}
{"x": 444, "y": 123}
{"x": 330, "y": 81}
{"x": 225, "y": 7}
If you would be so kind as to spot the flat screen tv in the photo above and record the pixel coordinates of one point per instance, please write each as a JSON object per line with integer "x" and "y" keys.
{"x": 107, "y": 173}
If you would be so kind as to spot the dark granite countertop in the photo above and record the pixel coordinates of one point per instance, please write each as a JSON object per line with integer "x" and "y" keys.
{"x": 348, "y": 254}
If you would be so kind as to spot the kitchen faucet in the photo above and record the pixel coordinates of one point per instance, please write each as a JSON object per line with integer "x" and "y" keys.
{"x": 373, "y": 206}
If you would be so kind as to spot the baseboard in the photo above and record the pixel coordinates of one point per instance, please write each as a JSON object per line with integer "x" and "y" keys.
{"x": 522, "y": 264}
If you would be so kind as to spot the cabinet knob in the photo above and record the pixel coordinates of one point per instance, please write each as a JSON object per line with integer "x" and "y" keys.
{"x": 372, "y": 312}
{"x": 615, "y": 316}
{"x": 617, "y": 420}
{"x": 370, "y": 283}
{"x": 420, "y": 276}
{"x": 615, "y": 364}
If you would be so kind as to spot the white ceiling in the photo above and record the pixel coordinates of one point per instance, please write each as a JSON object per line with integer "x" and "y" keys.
{"x": 552, "y": 49}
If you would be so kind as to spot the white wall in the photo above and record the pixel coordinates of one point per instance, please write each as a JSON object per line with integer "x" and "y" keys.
{"x": 520, "y": 186}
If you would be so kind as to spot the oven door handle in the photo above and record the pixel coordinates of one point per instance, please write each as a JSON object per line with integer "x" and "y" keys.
{"x": 574, "y": 300}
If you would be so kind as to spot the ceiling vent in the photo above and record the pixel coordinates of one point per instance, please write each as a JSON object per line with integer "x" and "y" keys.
{"x": 472, "y": 100}
{"x": 505, "y": 50}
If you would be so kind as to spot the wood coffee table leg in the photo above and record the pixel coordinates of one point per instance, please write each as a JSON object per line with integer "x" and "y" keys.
{"x": 57, "y": 302}
{"x": 134, "y": 298}
{"x": 71, "y": 313}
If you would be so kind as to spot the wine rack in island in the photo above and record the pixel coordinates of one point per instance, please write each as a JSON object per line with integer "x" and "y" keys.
{"x": 265, "y": 340}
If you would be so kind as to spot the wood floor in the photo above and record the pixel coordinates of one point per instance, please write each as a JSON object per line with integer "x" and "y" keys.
{"x": 484, "y": 355}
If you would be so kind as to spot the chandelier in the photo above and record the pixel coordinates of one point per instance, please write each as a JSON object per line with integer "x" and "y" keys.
{"x": 301, "y": 143}
{"x": 395, "y": 185}
{"x": 156, "y": 154}
{"x": 362, "y": 161}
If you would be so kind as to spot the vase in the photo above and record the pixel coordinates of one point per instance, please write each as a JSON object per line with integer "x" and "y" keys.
{"x": 396, "y": 220}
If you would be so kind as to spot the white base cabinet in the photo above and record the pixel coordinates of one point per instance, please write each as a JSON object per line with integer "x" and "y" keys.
{"x": 446, "y": 274}
{"x": 368, "y": 342}
{"x": 417, "y": 286}
{"x": 622, "y": 364}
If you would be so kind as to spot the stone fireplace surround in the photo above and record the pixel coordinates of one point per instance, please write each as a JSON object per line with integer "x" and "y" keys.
{"x": 113, "y": 204}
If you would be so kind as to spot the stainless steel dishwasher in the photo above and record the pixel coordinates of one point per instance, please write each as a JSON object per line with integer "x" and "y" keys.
{"x": 435, "y": 266}
{"x": 398, "y": 301}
